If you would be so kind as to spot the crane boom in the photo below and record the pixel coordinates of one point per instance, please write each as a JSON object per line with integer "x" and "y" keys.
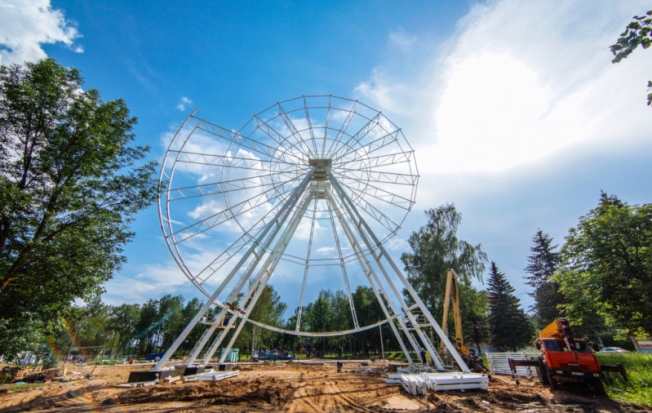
{"x": 452, "y": 291}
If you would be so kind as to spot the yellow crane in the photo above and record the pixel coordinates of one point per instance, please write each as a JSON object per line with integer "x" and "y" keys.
{"x": 452, "y": 294}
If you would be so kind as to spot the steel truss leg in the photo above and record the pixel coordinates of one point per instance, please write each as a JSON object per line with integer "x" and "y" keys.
{"x": 276, "y": 223}
{"x": 351, "y": 208}
{"x": 265, "y": 274}
{"x": 233, "y": 296}
{"x": 426, "y": 343}
{"x": 368, "y": 270}
{"x": 307, "y": 267}
{"x": 369, "y": 273}
{"x": 343, "y": 267}
{"x": 400, "y": 320}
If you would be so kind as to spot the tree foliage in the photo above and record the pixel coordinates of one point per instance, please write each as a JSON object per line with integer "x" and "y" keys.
{"x": 70, "y": 184}
{"x": 435, "y": 249}
{"x": 607, "y": 266}
{"x": 474, "y": 307}
{"x": 638, "y": 32}
{"x": 509, "y": 327}
{"x": 542, "y": 265}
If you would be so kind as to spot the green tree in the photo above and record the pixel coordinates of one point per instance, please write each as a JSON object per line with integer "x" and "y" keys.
{"x": 70, "y": 184}
{"x": 474, "y": 306}
{"x": 191, "y": 308}
{"x": 146, "y": 336}
{"x": 509, "y": 327}
{"x": 607, "y": 266}
{"x": 171, "y": 319}
{"x": 269, "y": 309}
{"x": 368, "y": 311}
{"x": 435, "y": 249}
{"x": 542, "y": 265}
{"x": 638, "y": 32}
{"x": 122, "y": 323}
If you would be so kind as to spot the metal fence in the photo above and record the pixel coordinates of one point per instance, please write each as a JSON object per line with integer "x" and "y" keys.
{"x": 498, "y": 363}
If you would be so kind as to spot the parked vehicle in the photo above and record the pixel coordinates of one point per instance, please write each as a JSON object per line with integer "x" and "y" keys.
{"x": 613, "y": 350}
{"x": 566, "y": 359}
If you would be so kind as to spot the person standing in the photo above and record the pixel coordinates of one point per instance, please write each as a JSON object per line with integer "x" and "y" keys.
{"x": 423, "y": 357}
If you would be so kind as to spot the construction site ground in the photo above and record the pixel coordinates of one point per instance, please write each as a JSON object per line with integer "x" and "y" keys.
{"x": 291, "y": 387}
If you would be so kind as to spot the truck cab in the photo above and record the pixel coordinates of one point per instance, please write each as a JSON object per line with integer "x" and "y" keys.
{"x": 566, "y": 363}
{"x": 565, "y": 358}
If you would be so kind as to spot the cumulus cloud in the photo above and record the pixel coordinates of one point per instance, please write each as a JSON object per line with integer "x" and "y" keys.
{"x": 520, "y": 119}
{"x": 26, "y": 25}
{"x": 182, "y": 105}
{"x": 518, "y": 82}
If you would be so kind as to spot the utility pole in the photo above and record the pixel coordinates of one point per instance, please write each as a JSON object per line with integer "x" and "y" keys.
{"x": 253, "y": 340}
{"x": 382, "y": 346}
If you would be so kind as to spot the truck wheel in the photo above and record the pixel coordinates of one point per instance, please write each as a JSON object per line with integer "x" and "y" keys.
{"x": 554, "y": 385}
{"x": 599, "y": 387}
{"x": 542, "y": 374}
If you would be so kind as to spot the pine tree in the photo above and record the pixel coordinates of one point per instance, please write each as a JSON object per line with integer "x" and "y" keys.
{"x": 544, "y": 261}
{"x": 509, "y": 327}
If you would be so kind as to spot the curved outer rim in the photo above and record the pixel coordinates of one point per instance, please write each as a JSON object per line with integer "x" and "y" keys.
{"x": 176, "y": 254}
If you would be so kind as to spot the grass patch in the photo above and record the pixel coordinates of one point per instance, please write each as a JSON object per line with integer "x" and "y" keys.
{"x": 25, "y": 386}
{"x": 639, "y": 373}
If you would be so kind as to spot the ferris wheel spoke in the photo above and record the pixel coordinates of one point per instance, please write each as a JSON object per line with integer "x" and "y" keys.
{"x": 226, "y": 161}
{"x": 237, "y": 245}
{"x": 246, "y": 142}
{"x": 273, "y": 134}
{"x": 328, "y": 118}
{"x": 295, "y": 133}
{"x": 373, "y": 146}
{"x": 312, "y": 133}
{"x": 345, "y": 125}
{"x": 374, "y": 212}
{"x": 354, "y": 142}
{"x": 379, "y": 177}
{"x": 378, "y": 193}
{"x": 224, "y": 215}
{"x": 216, "y": 188}
{"x": 377, "y": 161}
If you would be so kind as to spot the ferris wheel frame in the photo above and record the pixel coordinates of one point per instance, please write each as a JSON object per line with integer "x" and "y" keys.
{"x": 358, "y": 178}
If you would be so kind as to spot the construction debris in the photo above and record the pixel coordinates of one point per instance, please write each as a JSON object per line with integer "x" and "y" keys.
{"x": 211, "y": 376}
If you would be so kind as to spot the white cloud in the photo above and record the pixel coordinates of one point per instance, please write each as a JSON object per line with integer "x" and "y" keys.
{"x": 401, "y": 39}
{"x": 520, "y": 119}
{"x": 184, "y": 101}
{"x": 325, "y": 250}
{"x": 519, "y": 81}
{"x": 26, "y": 25}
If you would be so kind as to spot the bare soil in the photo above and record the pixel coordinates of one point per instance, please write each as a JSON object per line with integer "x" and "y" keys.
{"x": 294, "y": 387}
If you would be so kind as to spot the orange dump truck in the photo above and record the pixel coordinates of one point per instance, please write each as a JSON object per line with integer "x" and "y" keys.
{"x": 566, "y": 359}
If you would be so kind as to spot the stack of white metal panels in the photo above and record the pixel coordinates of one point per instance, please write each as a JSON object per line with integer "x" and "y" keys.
{"x": 455, "y": 381}
{"x": 498, "y": 363}
{"x": 418, "y": 384}
{"x": 413, "y": 384}
{"x": 211, "y": 376}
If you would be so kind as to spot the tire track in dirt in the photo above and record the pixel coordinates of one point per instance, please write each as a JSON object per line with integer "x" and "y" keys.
{"x": 297, "y": 388}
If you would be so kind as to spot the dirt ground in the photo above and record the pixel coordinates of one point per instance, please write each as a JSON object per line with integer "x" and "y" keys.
{"x": 294, "y": 387}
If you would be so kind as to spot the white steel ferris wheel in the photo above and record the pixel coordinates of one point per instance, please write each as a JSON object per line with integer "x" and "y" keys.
{"x": 312, "y": 187}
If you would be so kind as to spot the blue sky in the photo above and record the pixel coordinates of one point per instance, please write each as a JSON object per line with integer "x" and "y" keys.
{"x": 514, "y": 109}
